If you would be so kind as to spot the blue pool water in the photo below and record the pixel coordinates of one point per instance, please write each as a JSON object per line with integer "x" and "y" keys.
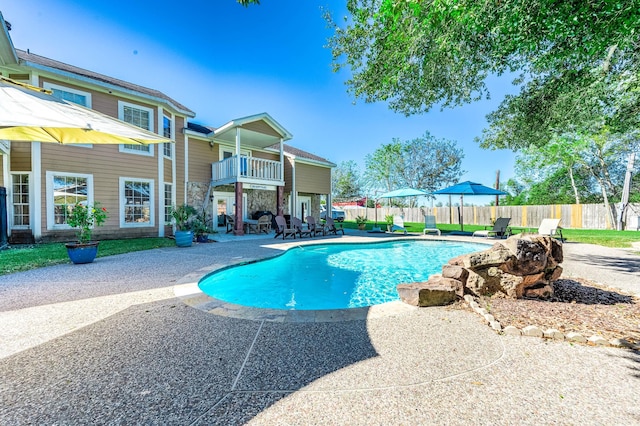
{"x": 332, "y": 276}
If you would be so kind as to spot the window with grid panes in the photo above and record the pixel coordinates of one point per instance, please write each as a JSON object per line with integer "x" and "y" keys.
{"x": 166, "y": 132}
{"x": 141, "y": 117}
{"x": 138, "y": 198}
{"x": 168, "y": 197}
{"x": 20, "y": 189}
{"x": 68, "y": 190}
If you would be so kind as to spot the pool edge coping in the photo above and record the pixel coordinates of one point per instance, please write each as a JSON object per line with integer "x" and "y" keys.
{"x": 187, "y": 290}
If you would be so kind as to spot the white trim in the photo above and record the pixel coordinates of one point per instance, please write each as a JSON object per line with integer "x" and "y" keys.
{"x": 160, "y": 194}
{"x": 122, "y": 147}
{"x": 51, "y": 225}
{"x": 231, "y": 203}
{"x": 186, "y": 168}
{"x": 36, "y": 169}
{"x": 108, "y": 87}
{"x": 10, "y": 204}
{"x": 122, "y": 203}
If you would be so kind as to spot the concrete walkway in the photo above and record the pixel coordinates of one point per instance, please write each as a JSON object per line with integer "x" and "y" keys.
{"x": 109, "y": 343}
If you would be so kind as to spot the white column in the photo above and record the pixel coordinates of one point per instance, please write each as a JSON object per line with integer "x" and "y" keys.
{"x": 160, "y": 190}
{"x": 281, "y": 160}
{"x": 36, "y": 186}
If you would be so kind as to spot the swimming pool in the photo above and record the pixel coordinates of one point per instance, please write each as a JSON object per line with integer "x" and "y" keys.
{"x": 332, "y": 276}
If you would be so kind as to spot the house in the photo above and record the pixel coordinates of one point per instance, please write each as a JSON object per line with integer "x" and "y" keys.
{"x": 239, "y": 168}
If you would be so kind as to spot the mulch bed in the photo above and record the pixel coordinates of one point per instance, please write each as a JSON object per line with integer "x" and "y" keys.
{"x": 578, "y": 305}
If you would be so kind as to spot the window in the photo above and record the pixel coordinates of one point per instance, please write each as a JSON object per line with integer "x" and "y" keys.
{"x": 20, "y": 194}
{"x": 168, "y": 201}
{"x": 136, "y": 207}
{"x": 138, "y": 116}
{"x": 63, "y": 191}
{"x": 68, "y": 94}
{"x": 167, "y": 133}
{"x": 71, "y": 95}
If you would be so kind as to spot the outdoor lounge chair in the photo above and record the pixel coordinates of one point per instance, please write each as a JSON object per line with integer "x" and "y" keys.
{"x": 430, "y": 225}
{"x": 300, "y": 230}
{"x": 314, "y": 226}
{"x": 398, "y": 224}
{"x": 330, "y": 227}
{"x": 500, "y": 229}
{"x": 283, "y": 229}
{"x": 551, "y": 228}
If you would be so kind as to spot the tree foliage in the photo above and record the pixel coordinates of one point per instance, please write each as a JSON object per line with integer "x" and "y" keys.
{"x": 425, "y": 163}
{"x": 346, "y": 181}
{"x": 416, "y": 54}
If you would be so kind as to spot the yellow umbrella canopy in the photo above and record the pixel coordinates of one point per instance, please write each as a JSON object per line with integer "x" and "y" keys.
{"x": 32, "y": 114}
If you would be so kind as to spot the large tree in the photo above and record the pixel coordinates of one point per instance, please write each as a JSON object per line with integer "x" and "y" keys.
{"x": 416, "y": 54}
{"x": 426, "y": 163}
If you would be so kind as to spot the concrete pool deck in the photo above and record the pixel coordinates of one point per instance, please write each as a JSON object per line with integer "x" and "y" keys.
{"x": 110, "y": 343}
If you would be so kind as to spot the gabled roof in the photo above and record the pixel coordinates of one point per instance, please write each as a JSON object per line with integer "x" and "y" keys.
{"x": 46, "y": 64}
{"x": 259, "y": 130}
{"x": 7, "y": 52}
{"x": 301, "y": 154}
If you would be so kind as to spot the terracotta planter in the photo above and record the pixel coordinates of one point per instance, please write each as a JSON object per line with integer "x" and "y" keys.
{"x": 80, "y": 253}
{"x": 362, "y": 226}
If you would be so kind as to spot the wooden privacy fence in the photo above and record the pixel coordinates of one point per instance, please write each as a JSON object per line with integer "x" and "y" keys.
{"x": 579, "y": 216}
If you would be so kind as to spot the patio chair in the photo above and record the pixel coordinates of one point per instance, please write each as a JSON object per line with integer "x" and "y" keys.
{"x": 284, "y": 229}
{"x": 551, "y": 228}
{"x": 231, "y": 222}
{"x": 398, "y": 225}
{"x": 264, "y": 224}
{"x": 330, "y": 227}
{"x": 500, "y": 229}
{"x": 314, "y": 226}
{"x": 430, "y": 225}
{"x": 300, "y": 230}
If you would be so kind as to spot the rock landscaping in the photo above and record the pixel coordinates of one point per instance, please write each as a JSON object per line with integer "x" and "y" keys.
{"x": 515, "y": 287}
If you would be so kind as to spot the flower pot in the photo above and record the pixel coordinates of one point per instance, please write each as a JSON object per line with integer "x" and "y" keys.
{"x": 82, "y": 253}
{"x": 362, "y": 226}
{"x": 184, "y": 238}
{"x": 202, "y": 238}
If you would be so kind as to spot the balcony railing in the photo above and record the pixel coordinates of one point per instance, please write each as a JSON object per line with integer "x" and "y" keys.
{"x": 252, "y": 170}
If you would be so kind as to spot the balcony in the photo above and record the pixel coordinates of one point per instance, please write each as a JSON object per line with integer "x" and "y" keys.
{"x": 252, "y": 170}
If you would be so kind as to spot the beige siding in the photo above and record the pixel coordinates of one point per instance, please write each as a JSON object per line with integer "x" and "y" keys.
{"x": 313, "y": 179}
{"x": 266, "y": 155}
{"x": 180, "y": 155}
{"x": 107, "y": 165}
{"x": 261, "y": 127}
{"x": 167, "y": 176}
{"x": 288, "y": 175}
{"x": 20, "y": 159}
{"x": 201, "y": 155}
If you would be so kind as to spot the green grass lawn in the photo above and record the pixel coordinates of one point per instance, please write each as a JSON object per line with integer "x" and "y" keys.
{"x": 608, "y": 238}
{"x": 23, "y": 258}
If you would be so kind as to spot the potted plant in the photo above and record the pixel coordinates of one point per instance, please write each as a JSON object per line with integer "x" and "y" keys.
{"x": 202, "y": 227}
{"x": 362, "y": 222}
{"x": 84, "y": 217}
{"x": 183, "y": 217}
{"x": 389, "y": 220}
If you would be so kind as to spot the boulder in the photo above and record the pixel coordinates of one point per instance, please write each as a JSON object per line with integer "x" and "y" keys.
{"x": 455, "y": 272}
{"x": 437, "y": 291}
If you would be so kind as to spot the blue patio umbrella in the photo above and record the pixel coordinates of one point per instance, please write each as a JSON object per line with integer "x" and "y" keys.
{"x": 468, "y": 188}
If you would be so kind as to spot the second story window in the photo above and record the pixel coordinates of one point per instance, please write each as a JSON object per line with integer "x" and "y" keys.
{"x": 166, "y": 132}
{"x": 138, "y": 116}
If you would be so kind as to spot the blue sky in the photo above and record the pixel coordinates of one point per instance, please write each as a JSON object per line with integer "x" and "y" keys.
{"x": 225, "y": 61}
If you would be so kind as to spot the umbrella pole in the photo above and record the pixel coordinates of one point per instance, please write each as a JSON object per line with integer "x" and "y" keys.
{"x": 461, "y": 212}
